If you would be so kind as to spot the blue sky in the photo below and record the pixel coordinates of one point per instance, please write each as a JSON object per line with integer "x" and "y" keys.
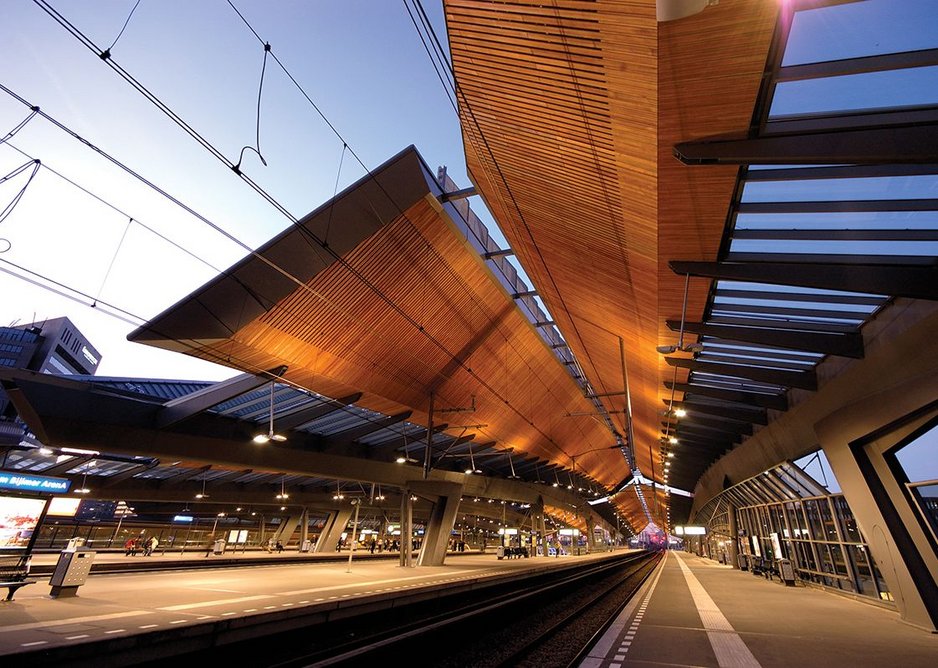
{"x": 360, "y": 61}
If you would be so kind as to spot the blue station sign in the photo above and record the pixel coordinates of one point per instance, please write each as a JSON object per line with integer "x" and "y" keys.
{"x": 27, "y": 482}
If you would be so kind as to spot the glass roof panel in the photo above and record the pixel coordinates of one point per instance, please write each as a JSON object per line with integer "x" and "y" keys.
{"x": 827, "y": 190}
{"x": 859, "y": 220}
{"x": 908, "y": 87}
{"x": 857, "y": 29}
{"x": 835, "y": 247}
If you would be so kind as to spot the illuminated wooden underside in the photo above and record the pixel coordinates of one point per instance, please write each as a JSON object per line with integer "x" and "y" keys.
{"x": 569, "y": 110}
{"x": 403, "y": 308}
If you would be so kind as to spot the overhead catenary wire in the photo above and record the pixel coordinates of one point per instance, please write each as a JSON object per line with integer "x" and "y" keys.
{"x": 8, "y": 209}
{"x": 122, "y": 314}
{"x": 115, "y": 208}
{"x": 114, "y": 311}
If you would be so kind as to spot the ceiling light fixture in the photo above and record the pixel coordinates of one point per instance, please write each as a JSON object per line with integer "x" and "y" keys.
{"x": 270, "y": 435}
{"x": 202, "y": 494}
{"x": 283, "y": 494}
{"x": 472, "y": 463}
{"x": 338, "y": 496}
{"x": 680, "y": 346}
{"x": 511, "y": 465}
{"x": 405, "y": 458}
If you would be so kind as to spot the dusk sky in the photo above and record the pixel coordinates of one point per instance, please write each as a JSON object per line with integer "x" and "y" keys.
{"x": 360, "y": 62}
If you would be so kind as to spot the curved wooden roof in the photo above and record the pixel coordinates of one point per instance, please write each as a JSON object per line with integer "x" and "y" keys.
{"x": 570, "y": 110}
{"x": 379, "y": 292}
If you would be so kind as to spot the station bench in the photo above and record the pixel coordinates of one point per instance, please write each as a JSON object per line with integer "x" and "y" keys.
{"x": 14, "y": 573}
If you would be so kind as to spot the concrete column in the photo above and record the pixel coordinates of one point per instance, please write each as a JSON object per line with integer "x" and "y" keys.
{"x": 440, "y": 527}
{"x": 331, "y": 533}
{"x": 287, "y": 526}
{"x": 542, "y": 528}
{"x": 407, "y": 529}
{"x": 304, "y": 526}
{"x": 733, "y": 542}
{"x": 855, "y": 439}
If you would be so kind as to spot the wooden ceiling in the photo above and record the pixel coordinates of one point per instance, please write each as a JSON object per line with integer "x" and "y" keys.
{"x": 569, "y": 112}
{"x": 380, "y": 293}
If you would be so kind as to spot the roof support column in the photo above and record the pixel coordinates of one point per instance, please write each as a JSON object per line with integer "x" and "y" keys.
{"x": 541, "y": 531}
{"x": 332, "y": 531}
{"x": 440, "y": 525}
{"x": 407, "y": 529}
{"x": 857, "y": 440}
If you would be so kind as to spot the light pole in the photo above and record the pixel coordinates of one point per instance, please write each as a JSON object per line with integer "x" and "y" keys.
{"x": 214, "y": 526}
{"x": 357, "y": 504}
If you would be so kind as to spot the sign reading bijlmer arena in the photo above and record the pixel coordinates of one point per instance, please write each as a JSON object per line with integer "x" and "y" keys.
{"x": 25, "y": 482}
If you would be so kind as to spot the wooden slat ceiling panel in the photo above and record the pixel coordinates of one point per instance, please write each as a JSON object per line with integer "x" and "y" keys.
{"x": 338, "y": 336}
{"x": 715, "y": 62}
{"x": 569, "y": 112}
{"x": 563, "y": 209}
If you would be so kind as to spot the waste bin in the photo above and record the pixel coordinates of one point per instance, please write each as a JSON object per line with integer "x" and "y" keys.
{"x": 500, "y": 552}
{"x": 306, "y": 546}
{"x": 71, "y": 571}
{"x": 786, "y": 572}
{"x": 219, "y": 547}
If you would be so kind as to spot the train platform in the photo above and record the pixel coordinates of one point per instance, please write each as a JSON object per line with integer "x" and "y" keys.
{"x": 135, "y": 612}
{"x": 697, "y": 612}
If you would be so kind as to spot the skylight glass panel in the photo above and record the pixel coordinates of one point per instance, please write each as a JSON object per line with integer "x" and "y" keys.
{"x": 859, "y": 220}
{"x": 818, "y": 306}
{"x": 857, "y": 29}
{"x": 828, "y": 190}
{"x": 829, "y": 249}
{"x": 856, "y": 92}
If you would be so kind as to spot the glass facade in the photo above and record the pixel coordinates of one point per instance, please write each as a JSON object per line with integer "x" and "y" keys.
{"x": 785, "y": 514}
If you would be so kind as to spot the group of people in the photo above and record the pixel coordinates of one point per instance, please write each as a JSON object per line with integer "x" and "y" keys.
{"x": 136, "y": 544}
{"x": 272, "y": 545}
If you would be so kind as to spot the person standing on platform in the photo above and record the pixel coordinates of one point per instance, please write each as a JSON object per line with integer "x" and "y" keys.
{"x": 130, "y": 547}
{"x": 150, "y": 545}
{"x": 279, "y": 547}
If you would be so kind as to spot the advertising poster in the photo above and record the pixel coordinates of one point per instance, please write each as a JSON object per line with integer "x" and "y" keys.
{"x": 18, "y": 520}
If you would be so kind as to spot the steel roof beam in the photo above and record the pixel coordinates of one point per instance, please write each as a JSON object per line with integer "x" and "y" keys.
{"x": 64, "y": 467}
{"x": 839, "y": 206}
{"x": 859, "y": 65}
{"x": 801, "y": 297}
{"x": 726, "y": 425}
{"x": 708, "y": 433}
{"x": 118, "y": 478}
{"x": 719, "y": 347}
{"x": 304, "y": 415}
{"x": 729, "y": 411}
{"x": 798, "y": 325}
{"x": 782, "y": 311}
{"x": 774, "y": 401}
{"x": 187, "y": 406}
{"x": 355, "y": 433}
{"x": 839, "y": 172}
{"x": 185, "y": 474}
{"x": 844, "y": 345}
{"x": 836, "y": 235}
{"x": 870, "y": 145}
{"x": 908, "y": 280}
{"x": 766, "y": 359}
{"x": 805, "y": 380}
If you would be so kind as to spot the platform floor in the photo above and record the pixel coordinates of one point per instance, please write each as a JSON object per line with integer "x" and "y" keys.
{"x": 112, "y": 605}
{"x": 696, "y": 612}
{"x": 690, "y": 612}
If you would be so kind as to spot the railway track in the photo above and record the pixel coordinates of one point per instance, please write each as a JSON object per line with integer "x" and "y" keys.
{"x": 550, "y": 620}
